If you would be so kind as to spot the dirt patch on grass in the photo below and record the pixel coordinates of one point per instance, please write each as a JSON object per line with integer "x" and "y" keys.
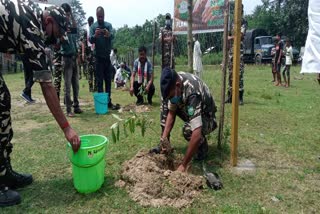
{"x": 135, "y": 108}
{"x": 151, "y": 181}
{"x": 25, "y": 126}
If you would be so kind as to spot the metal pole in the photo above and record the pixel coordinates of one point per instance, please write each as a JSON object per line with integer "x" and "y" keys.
{"x": 224, "y": 72}
{"x": 190, "y": 49}
{"x": 235, "y": 84}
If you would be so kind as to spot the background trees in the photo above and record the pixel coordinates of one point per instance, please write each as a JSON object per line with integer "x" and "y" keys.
{"x": 290, "y": 17}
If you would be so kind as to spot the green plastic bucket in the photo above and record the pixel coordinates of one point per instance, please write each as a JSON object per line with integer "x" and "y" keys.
{"x": 88, "y": 163}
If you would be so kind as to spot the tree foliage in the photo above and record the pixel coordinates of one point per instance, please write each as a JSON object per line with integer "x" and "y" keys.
{"x": 130, "y": 38}
{"x": 127, "y": 38}
{"x": 78, "y": 13}
{"x": 290, "y": 17}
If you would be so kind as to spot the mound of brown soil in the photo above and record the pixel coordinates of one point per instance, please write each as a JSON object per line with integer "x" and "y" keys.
{"x": 150, "y": 181}
{"x": 135, "y": 108}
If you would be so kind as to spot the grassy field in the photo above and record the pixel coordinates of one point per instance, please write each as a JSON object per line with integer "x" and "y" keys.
{"x": 278, "y": 132}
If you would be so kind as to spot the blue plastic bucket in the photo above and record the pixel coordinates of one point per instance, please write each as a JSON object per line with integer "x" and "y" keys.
{"x": 101, "y": 101}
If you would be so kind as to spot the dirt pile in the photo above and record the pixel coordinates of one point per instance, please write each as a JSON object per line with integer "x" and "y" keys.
{"x": 135, "y": 108}
{"x": 150, "y": 181}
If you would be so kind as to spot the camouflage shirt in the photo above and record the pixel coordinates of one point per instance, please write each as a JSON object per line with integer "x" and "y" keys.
{"x": 197, "y": 102}
{"x": 244, "y": 26}
{"x": 21, "y": 31}
{"x": 166, "y": 48}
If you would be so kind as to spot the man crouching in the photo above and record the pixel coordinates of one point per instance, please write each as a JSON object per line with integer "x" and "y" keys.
{"x": 189, "y": 98}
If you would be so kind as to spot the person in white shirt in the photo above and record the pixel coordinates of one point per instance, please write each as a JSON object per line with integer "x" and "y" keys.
{"x": 114, "y": 61}
{"x": 113, "y": 57}
{"x": 311, "y": 58}
{"x": 289, "y": 58}
{"x": 197, "y": 54}
{"x": 121, "y": 76}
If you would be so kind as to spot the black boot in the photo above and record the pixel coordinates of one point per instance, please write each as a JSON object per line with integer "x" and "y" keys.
{"x": 8, "y": 197}
{"x": 241, "y": 97}
{"x": 14, "y": 180}
{"x": 155, "y": 150}
{"x": 229, "y": 98}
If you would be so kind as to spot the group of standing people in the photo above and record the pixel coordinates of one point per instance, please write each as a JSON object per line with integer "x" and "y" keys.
{"x": 67, "y": 56}
{"x": 279, "y": 53}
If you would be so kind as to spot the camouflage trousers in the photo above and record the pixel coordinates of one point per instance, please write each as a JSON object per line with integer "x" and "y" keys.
{"x": 57, "y": 72}
{"x": 209, "y": 124}
{"x": 166, "y": 60}
{"x": 84, "y": 70}
{"x": 6, "y": 132}
{"x": 163, "y": 112}
{"x": 241, "y": 78}
{"x": 92, "y": 80}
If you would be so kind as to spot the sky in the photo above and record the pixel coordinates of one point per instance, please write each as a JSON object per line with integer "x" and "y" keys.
{"x": 133, "y": 12}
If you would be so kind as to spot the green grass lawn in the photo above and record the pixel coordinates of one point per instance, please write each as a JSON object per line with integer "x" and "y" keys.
{"x": 278, "y": 132}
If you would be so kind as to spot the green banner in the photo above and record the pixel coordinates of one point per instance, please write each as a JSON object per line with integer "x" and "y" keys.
{"x": 207, "y": 16}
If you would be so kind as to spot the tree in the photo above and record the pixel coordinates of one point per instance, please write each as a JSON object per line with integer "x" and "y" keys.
{"x": 78, "y": 13}
{"x": 131, "y": 38}
{"x": 288, "y": 17}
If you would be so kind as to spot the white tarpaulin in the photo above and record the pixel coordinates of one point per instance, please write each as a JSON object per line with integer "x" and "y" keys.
{"x": 311, "y": 57}
{"x": 53, "y": 2}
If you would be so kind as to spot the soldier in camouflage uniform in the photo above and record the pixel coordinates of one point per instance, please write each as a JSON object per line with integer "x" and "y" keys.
{"x": 87, "y": 55}
{"x": 57, "y": 71}
{"x": 167, "y": 39}
{"x": 244, "y": 25}
{"x": 91, "y": 61}
{"x": 190, "y": 99}
{"x": 24, "y": 28}
{"x": 92, "y": 80}
{"x": 83, "y": 53}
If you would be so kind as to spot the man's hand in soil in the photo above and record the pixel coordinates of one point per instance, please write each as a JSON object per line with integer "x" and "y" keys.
{"x": 165, "y": 146}
{"x": 181, "y": 168}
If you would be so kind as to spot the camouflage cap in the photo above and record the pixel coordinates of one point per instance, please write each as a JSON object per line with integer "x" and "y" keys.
{"x": 167, "y": 80}
{"x": 168, "y": 16}
{"x": 59, "y": 16}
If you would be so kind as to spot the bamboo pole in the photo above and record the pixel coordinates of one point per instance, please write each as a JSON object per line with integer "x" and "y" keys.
{"x": 235, "y": 84}
{"x": 190, "y": 49}
{"x": 132, "y": 58}
{"x": 224, "y": 72}
{"x": 154, "y": 43}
